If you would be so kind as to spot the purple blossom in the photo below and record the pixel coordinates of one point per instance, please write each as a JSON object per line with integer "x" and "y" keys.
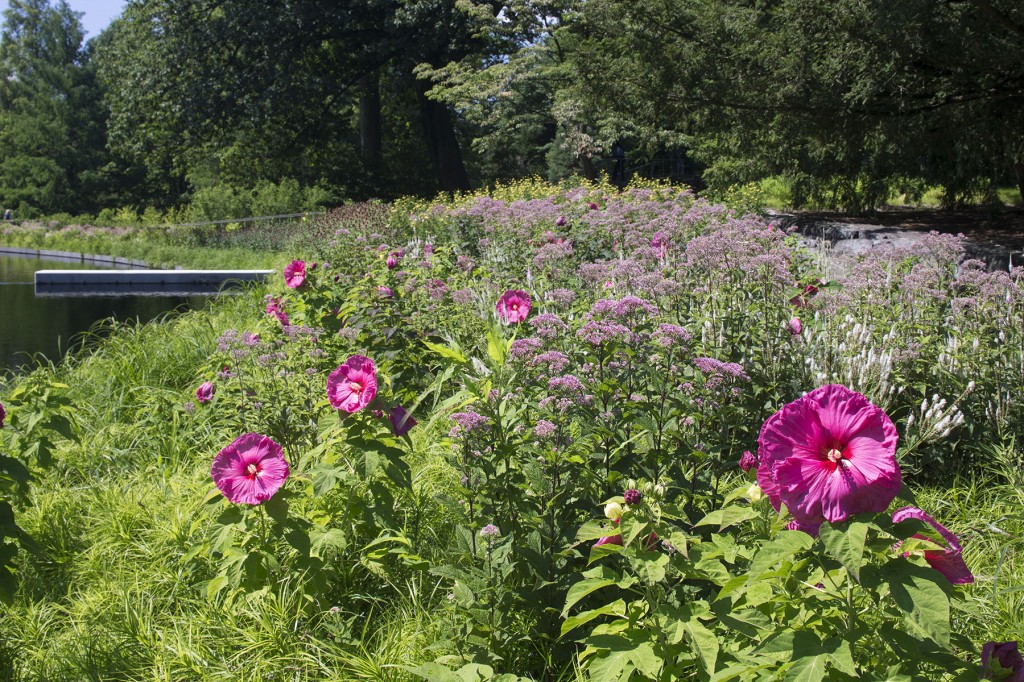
{"x": 711, "y": 366}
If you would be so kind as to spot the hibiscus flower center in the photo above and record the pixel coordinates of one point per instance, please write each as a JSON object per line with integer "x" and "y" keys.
{"x": 834, "y": 455}
{"x": 356, "y": 387}
{"x": 252, "y": 470}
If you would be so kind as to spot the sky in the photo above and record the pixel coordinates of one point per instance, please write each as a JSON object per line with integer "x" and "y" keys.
{"x": 97, "y": 13}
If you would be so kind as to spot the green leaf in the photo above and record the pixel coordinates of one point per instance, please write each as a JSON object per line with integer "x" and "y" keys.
{"x": 807, "y": 669}
{"x": 785, "y": 545}
{"x": 582, "y": 589}
{"x": 435, "y": 673}
{"x": 841, "y": 655}
{"x": 705, "y": 644}
{"x": 728, "y": 516}
{"x": 616, "y": 608}
{"x": 446, "y": 352}
{"x": 920, "y": 596}
{"x": 845, "y": 542}
{"x": 496, "y": 348}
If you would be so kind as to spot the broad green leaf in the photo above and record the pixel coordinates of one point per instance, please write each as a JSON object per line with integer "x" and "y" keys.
{"x": 705, "y": 644}
{"x": 616, "y": 608}
{"x": 728, "y": 516}
{"x": 807, "y": 669}
{"x": 496, "y": 346}
{"x": 435, "y": 673}
{"x": 582, "y": 589}
{"x": 325, "y": 539}
{"x": 841, "y": 655}
{"x": 920, "y": 596}
{"x": 652, "y": 570}
{"x": 845, "y": 542}
{"x": 785, "y": 545}
{"x": 611, "y": 666}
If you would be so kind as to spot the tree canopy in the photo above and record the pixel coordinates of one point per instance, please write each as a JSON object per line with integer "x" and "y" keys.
{"x": 848, "y": 99}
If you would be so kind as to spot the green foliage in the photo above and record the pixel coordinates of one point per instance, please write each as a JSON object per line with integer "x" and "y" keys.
{"x": 51, "y": 121}
{"x": 656, "y": 346}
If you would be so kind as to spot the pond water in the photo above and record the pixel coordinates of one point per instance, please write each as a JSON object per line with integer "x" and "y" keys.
{"x": 50, "y": 325}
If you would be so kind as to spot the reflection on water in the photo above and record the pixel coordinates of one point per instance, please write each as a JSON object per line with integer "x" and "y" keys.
{"x": 47, "y": 325}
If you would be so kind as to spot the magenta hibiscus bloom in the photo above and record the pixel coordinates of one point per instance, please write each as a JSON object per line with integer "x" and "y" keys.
{"x": 250, "y": 470}
{"x": 3, "y": 415}
{"x": 353, "y": 385}
{"x": 795, "y": 326}
{"x": 401, "y": 420}
{"x": 295, "y": 274}
{"x": 513, "y": 306}
{"x": 829, "y": 455}
{"x": 1002, "y": 661}
{"x": 205, "y": 392}
{"x": 949, "y": 562}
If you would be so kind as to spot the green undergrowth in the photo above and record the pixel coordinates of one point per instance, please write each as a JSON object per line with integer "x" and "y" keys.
{"x": 156, "y": 254}
{"x": 112, "y": 588}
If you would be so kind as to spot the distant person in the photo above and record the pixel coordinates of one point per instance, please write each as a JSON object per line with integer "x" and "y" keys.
{"x": 619, "y": 172}
{"x": 7, "y": 214}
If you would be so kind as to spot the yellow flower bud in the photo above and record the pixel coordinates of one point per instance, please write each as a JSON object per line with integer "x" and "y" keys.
{"x": 754, "y": 492}
{"x": 613, "y": 510}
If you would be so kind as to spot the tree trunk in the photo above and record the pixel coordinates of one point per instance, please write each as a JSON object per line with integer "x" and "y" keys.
{"x": 439, "y": 131}
{"x": 370, "y": 137}
{"x": 1019, "y": 170}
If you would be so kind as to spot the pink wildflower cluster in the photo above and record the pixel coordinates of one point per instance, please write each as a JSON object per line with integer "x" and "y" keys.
{"x": 468, "y": 422}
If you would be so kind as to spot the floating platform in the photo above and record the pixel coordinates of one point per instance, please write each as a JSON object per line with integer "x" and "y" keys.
{"x": 142, "y": 282}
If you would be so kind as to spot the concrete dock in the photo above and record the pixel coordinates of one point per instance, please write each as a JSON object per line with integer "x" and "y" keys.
{"x": 129, "y": 282}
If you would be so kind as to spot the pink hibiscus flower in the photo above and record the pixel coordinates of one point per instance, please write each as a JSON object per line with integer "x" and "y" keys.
{"x": 205, "y": 392}
{"x": 949, "y": 562}
{"x": 401, "y": 420}
{"x": 295, "y": 274}
{"x": 795, "y": 326}
{"x": 250, "y": 470}
{"x": 1002, "y": 661}
{"x": 513, "y": 307}
{"x": 3, "y": 415}
{"x": 353, "y": 385}
{"x": 829, "y": 455}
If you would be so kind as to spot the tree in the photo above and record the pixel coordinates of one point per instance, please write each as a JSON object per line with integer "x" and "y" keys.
{"x": 267, "y": 90}
{"x": 847, "y": 98}
{"x": 51, "y": 130}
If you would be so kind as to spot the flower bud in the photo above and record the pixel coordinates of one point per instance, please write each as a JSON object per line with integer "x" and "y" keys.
{"x": 754, "y": 493}
{"x": 613, "y": 511}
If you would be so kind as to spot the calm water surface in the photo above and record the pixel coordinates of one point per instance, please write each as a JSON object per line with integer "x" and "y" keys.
{"x": 49, "y": 325}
